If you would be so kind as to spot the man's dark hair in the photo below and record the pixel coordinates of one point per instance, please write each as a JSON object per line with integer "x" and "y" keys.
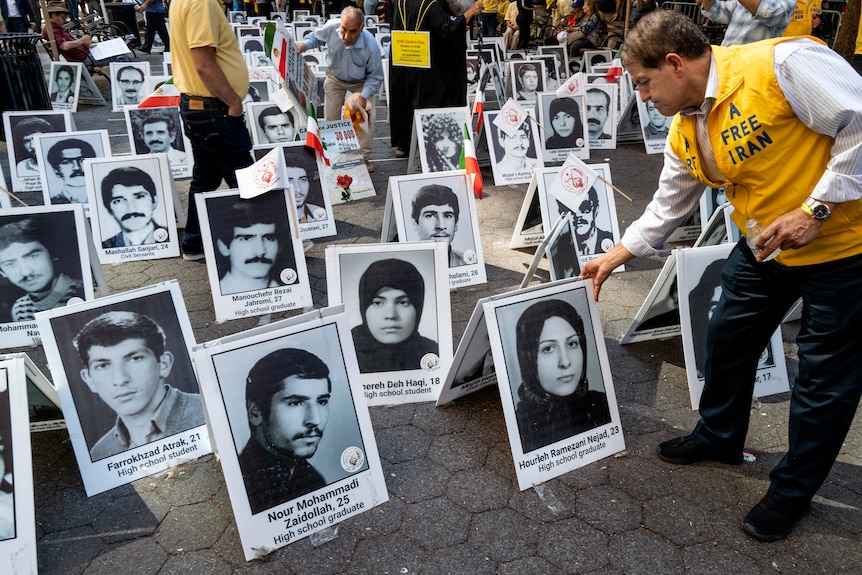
{"x": 524, "y": 127}
{"x": 153, "y": 116}
{"x": 231, "y": 212}
{"x": 20, "y": 232}
{"x": 434, "y": 195}
{"x": 524, "y": 69}
{"x": 266, "y": 376}
{"x": 124, "y": 68}
{"x": 32, "y": 125}
{"x": 603, "y": 93}
{"x": 55, "y": 154}
{"x": 128, "y": 176}
{"x": 273, "y": 111}
{"x": 115, "y": 327}
{"x": 663, "y": 32}
{"x": 64, "y": 68}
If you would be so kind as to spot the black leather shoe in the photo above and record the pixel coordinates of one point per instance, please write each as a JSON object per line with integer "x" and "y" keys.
{"x": 773, "y": 519}
{"x": 684, "y": 451}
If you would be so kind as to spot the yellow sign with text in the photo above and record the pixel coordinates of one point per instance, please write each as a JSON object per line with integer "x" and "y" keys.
{"x": 411, "y": 49}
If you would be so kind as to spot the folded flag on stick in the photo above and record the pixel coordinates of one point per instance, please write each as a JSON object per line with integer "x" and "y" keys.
{"x": 479, "y": 108}
{"x": 615, "y": 71}
{"x": 469, "y": 163}
{"x": 262, "y": 176}
{"x": 312, "y": 135}
{"x": 165, "y": 94}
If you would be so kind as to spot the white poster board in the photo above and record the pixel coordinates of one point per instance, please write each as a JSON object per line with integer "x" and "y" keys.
{"x": 65, "y": 82}
{"x": 256, "y": 265}
{"x": 132, "y": 208}
{"x": 438, "y": 207}
{"x": 159, "y": 131}
{"x": 396, "y": 297}
{"x": 330, "y": 473}
{"x": 698, "y": 271}
{"x": 45, "y": 264}
{"x": 109, "y": 391}
{"x": 17, "y": 510}
{"x": 554, "y": 379}
{"x": 61, "y": 163}
{"x": 20, "y": 129}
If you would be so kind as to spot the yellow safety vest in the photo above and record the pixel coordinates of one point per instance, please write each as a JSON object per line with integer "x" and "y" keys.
{"x": 771, "y": 159}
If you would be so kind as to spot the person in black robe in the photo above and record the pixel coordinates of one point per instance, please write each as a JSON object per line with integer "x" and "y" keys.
{"x": 391, "y": 298}
{"x": 442, "y": 85}
{"x": 554, "y": 398}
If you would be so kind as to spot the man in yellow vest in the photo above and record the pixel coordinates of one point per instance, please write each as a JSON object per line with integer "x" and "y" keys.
{"x": 780, "y": 123}
{"x": 802, "y": 20}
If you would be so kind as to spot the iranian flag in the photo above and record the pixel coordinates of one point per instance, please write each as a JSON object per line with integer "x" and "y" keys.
{"x": 469, "y": 162}
{"x": 479, "y": 108}
{"x": 616, "y": 70}
{"x": 312, "y": 135}
{"x": 278, "y": 50}
{"x": 166, "y": 94}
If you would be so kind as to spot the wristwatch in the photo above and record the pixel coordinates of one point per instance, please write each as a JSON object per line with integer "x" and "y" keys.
{"x": 816, "y": 209}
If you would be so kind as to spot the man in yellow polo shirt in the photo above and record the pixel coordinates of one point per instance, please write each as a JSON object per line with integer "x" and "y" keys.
{"x": 780, "y": 123}
{"x": 210, "y": 73}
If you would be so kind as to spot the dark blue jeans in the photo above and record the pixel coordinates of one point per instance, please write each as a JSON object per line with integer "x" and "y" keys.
{"x": 755, "y": 297}
{"x": 221, "y": 145}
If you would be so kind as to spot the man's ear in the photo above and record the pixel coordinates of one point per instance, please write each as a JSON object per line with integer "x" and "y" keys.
{"x": 166, "y": 362}
{"x": 676, "y": 62}
{"x": 223, "y": 249}
{"x": 255, "y": 417}
{"x": 85, "y": 375}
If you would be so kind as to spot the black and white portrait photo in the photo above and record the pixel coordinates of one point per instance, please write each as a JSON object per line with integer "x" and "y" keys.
{"x": 269, "y": 124}
{"x": 441, "y": 136}
{"x": 551, "y": 77}
{"x": 440, "y": 208}
{"x": 473, "y": 70}
{"x": 128, "y": 83}
{"x": 560, "y": 60}
{"x": 564, "y": 119}
{"x": 553, "y": 373}
{"x": 127, "y": 384}
{"x": 396, "y": 297}
{"x": 700, "y": 293}
{"x": 289, "y": 426}
{"x": 255, "y": 259}
{"x": 42, "y": 266}
{"x": 600, "y": 101}
{"x": 23, "y": 128}
{"x": 654, "y": 125}
{"x": 251, "y": 242}
{"x": 514, "y": 156}
{"x": 61, "y": 163}
{"x": 64, "y": 85}
{"x": 159, "y": 131}
{"x": 131, "y": 205}
{"x": 527, "y": 79}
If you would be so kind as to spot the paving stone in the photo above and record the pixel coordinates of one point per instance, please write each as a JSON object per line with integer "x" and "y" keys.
{"x": 191, "y": 527}
{"x": 402, "y": 443}
{"x": 529, "y": 565}
{"x": 141, "y": 557}
{"x": 458, "y": 451}
{"x": 679, "y": 520}
{"x": 436, "y": 421}
{"x": 503, "y": 534}
{"x": 68, "y": 551}
{"x": 435, "y": 524}
{"x": 544, "y": 503}
{"x": 416, "y": 480}
{"x": 393, "y": 555}
{"x": 643, "y": 552}
{"x": 609, "y": 509}
{"x": 203, "y": 561}
{"x": 458, "y": 559}
{"x": 573, "y": 546}
{"x": 381, "y": 520}
{"x": 129, "y": 517}
{"x": 478, "y": 490}
{"x": 716, "y": 559}
{"x": 330, "y": 558}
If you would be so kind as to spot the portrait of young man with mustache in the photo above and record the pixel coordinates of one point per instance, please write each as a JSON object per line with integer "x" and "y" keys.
{"x": 66, "y": 158}
{"x": 129, "y": 195}
{"x": 251, "y": 241}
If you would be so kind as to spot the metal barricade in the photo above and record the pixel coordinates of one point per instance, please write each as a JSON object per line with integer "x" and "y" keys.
{"x": 22, "y": 81}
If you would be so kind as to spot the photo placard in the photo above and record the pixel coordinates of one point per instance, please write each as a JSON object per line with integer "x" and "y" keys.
{"x": 396, "y": 298}
{"x": 255, "y": 261}
{"x": 327, "y": 467}
{"x": 21, "y": 129}
{"x": 554, "y": 379}
{"x": 441, "y": 208}
{"x": 45, "y": 265}
{"x": 110, "y": 407}
{"x": 132, "y": 208}
{"x": 17, "y": 509}
{"x": 65, "y": 82}
{"x": 159, "y": 131}
{"x": 61, "y": 164}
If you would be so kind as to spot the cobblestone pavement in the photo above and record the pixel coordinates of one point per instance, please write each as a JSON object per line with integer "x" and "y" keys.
{"x": 455, "y": 506}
